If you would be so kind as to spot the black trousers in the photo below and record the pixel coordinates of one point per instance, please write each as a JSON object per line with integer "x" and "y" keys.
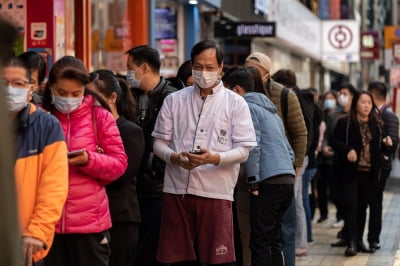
{"x": 322, "y": 188}
{"x": 356, "y": 198}
{"x": 149, "y": 231}
{"x": 124, "y": 240}
{"x": 375, "y": 207}
{"x": 79, "y": 250}
{"x": 266, "y": 212}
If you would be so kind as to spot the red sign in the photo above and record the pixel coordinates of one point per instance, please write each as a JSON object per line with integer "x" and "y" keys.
{"x": 396, "y": 52}
{"x": 369, "y": 45}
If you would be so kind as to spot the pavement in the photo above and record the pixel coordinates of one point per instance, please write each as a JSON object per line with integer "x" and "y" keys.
{"x": 321, "y": 253}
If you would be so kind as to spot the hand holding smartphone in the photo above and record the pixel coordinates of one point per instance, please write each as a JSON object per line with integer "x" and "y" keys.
{"x": 72, "y": 154}
{"x": 198, "y": 152}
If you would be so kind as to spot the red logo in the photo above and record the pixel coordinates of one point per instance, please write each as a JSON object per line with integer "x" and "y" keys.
{"x": 340, "y": 37}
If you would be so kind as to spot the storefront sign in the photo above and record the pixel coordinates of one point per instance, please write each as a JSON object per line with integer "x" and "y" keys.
{"x": 341, "y": 41}
{"x": 392, "y": 38}
{"x": 297, "y": 26}
{"x": 165, "y": 20}
{"x": 244, "y": 29}
{"x": 369, "y": 45}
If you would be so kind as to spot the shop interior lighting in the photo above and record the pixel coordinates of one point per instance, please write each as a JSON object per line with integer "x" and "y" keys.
{"x": 193, "y": 2}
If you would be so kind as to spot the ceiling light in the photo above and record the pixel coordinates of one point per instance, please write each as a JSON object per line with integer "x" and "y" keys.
{"x": 193, "y": 2}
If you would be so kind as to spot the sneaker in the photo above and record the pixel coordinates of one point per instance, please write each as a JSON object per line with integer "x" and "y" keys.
{"x": 301, "y": 253}
{"x": 322, "y": 219}
{"x": 338, "y": 224}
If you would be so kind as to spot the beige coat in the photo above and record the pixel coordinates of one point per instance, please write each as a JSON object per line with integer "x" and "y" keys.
{"x": 295, "y": 127}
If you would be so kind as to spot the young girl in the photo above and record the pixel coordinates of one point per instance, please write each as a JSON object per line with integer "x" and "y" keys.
{"x": 97, "y": 158}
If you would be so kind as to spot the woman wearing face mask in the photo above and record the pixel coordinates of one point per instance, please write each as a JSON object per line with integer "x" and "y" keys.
{"x": 325, "y": 158}
{"x": 122, "y": 193}
{"x": 82, "y": 236}
{"x": 358, "y": 142}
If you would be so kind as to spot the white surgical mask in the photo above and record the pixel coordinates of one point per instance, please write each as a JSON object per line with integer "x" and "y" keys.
{"x": 66, "y": 105}
{"x": 329, "y": 104}
{"x": 16, "y": 98}
{"x": 343, "y": 100}
{"x": 131, "y": 78}
{"x": 205, "y": 79}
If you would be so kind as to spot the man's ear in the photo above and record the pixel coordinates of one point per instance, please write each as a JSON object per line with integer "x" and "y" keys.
{"x": 30, "y": 92}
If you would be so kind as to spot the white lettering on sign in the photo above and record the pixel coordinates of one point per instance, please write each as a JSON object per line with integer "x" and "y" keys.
{"x": 256, "y": 29}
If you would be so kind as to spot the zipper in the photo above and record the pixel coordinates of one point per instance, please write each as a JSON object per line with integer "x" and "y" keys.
{"x": 67, "y": 141}
{"x": 68, "y": 130}
{"x": 204, "y": 98}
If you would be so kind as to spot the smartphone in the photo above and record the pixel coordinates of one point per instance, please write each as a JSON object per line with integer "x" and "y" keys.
{"x": 196, "y": 152}
{"x": 72, "y": 154}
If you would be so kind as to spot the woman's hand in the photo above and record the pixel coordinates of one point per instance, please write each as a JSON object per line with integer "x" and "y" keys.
{"x": 182, "y": 160}
{"x": 352, "y": 156}
{"x": 387, "y": 141}
{"x": 80, "y": 159}
{"x": 327, "y": 151}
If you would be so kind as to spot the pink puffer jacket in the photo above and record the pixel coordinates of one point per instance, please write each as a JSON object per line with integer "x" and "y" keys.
{"x": 86, "y": 209}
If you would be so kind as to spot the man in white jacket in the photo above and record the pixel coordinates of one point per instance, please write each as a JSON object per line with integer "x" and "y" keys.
{"x": 203, "y": 133}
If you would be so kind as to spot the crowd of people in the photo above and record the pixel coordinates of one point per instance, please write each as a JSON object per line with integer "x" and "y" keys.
{"x": 216, "y": 166}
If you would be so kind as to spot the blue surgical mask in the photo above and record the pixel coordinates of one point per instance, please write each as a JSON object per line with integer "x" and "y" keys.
{"x": 66, "y": 105}
{"x": 131, "y": 78}
{"x": 16, "y": 98}
{"x": 329, "y": 104}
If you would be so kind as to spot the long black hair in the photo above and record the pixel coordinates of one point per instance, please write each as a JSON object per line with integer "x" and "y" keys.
{"x": 373, "y": 115}
{"x": 107, "y": 83}
{"x": 69, "y": 67}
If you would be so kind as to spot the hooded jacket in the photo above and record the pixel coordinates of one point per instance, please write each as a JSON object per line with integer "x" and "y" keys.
{"x": 86, "y": 209}
{"x": 273, "y": 155}
{"x": 41, "y": 175}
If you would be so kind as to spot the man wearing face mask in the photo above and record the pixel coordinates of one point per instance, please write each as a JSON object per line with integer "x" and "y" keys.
{"x": 41, "y": 167}
{"x": 344, "y": 99}
{"x": 150, "y": 90}
{"x": 203, "y": 133}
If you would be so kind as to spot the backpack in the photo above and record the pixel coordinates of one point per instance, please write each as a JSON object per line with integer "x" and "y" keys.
{"x": 307, "y": 105}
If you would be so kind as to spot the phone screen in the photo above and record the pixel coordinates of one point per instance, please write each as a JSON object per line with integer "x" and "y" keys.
{"x": 72, "y": 154}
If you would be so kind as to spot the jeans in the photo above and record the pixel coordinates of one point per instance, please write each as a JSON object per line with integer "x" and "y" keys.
{"x": 307, "y": 177}
{"x": 266, "y": 214}
{"x": 289, "y": 234}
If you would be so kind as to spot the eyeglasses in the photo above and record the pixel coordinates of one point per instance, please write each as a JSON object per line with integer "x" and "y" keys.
{"x": 15, "y": 83}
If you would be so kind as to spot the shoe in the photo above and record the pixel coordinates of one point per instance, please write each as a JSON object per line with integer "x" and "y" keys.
{"x": 322, "y": 219}
{"x": 338, "y": 224}
{"x": 340, "y": 243}
{"x": 374, "y": 245}
{"x": 351, "y": 249}
{"x": 362, "y": 248}
{"x": 301, "y": 253}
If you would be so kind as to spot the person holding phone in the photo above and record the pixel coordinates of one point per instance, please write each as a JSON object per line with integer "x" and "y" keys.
{"x": 82, "y": 234}
{"x": 41, "y": 166}
{"x": 198, "y": 188}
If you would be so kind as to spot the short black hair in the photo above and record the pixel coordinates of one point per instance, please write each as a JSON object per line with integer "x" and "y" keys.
{"x": 379, "y": 89}
{"x": 206, "y": 44}
{"x": 349, "y": 87}
{"x": 145, "y": 54}
{"x": 14, "y": 61}
{"x": 35, "y": 61}
{"x": 239, "y": 76}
